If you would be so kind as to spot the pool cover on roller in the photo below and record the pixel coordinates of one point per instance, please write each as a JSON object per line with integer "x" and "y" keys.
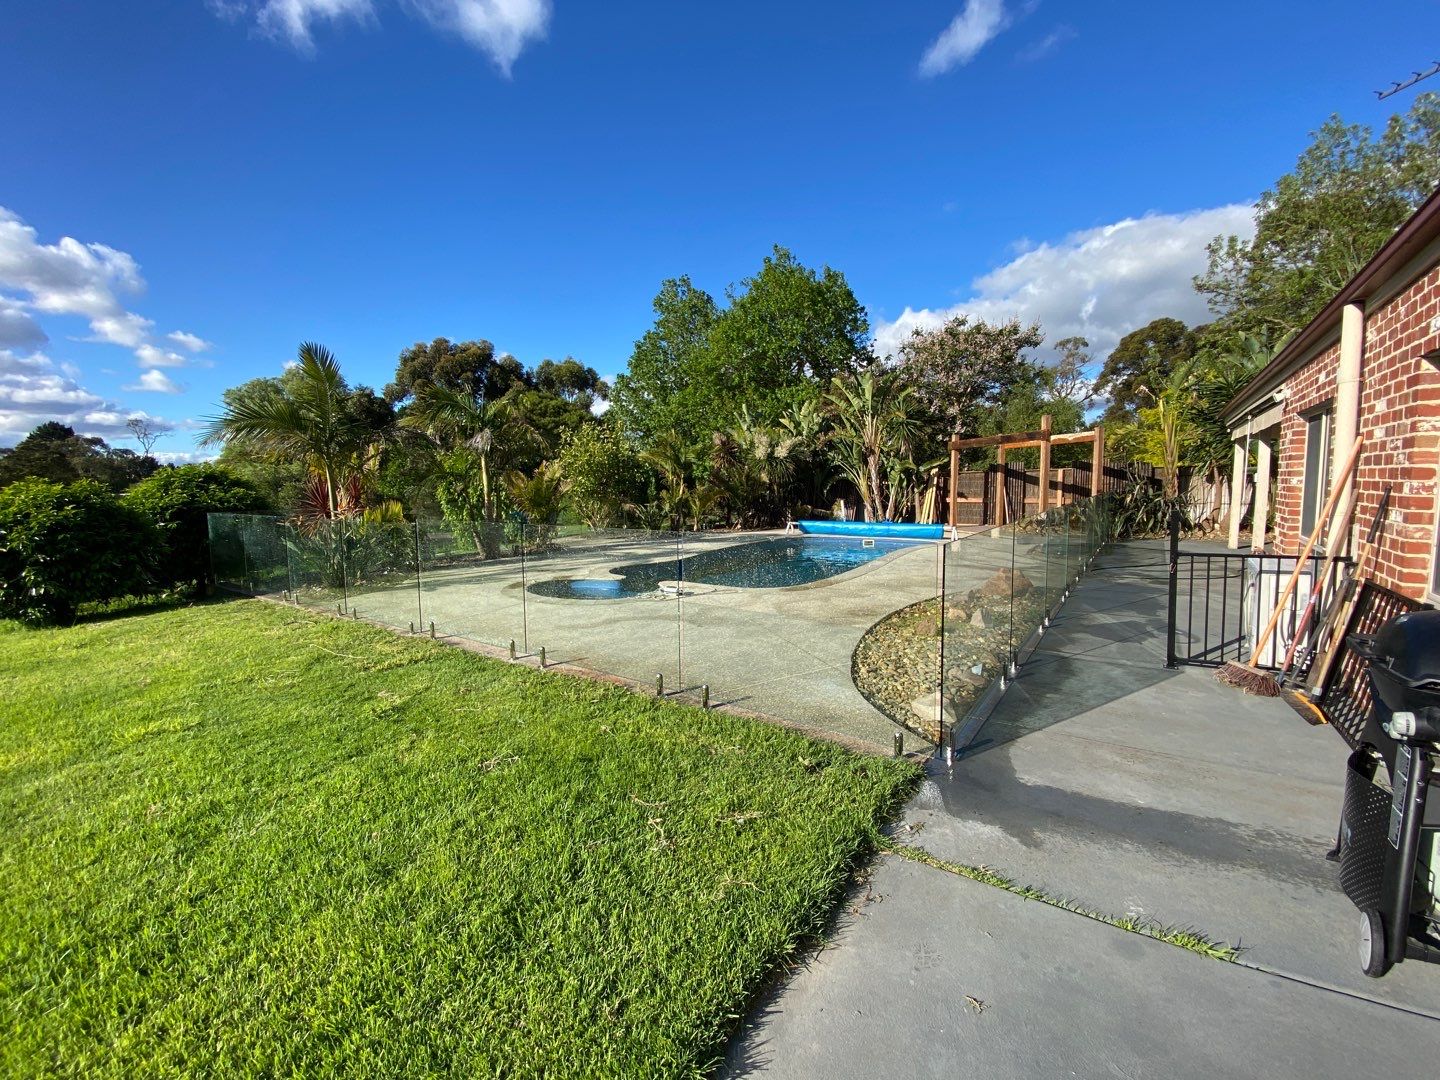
{"x": 891, "y": 529}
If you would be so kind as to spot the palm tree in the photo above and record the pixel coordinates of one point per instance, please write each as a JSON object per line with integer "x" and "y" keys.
{"x": 465, "y": 430}
{"x": 872, "y": 437}
{"x": 539, "y": 497}
{"x": 305, "y": 416}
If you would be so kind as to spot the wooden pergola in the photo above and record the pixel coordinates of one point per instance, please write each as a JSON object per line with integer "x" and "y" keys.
{"x": 1020, "y": 440}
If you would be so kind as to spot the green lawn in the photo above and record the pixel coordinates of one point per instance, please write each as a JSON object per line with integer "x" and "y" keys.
{"x": 240, "y": 839}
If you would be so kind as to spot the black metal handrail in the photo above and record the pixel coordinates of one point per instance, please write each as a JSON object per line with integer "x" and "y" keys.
{"x": 1220, "y": 601}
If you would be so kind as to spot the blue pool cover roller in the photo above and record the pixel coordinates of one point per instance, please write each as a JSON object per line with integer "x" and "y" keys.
{"x": 893, "y": 529}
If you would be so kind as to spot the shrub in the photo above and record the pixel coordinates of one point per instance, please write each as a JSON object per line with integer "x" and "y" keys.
{"x": 178, "y": 502}
{"x": 65, "y": 545}
{"x": 602, "y": 474}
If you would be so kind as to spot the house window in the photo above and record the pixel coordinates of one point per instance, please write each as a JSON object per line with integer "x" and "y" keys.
{"x": 1317, "y": 470}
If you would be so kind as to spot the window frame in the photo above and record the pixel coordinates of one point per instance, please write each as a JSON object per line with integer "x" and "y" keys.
{"x": 1321, "y": 415}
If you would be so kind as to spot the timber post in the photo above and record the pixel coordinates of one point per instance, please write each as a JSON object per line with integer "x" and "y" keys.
{"x": 954, "y": 473}
{"x": 1044, "y": 463}
{"x": 1097, "y": 460}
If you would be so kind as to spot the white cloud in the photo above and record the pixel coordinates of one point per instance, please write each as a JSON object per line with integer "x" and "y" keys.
{"x": 151, "y": 356}
{"x": 292, "y": 19}
{"x": 192, "y": 342}
{"x": 33, "y": 390}
{"x": 71, "y": 278}
{"x": 979, "y": 23}
{"x": 500, "y": 28}
{"x": 127, "y": 329}
{"x": 1098, "y": 283}
{"x": 1048, "y": 44}
{"x": 155, "y": 381}
{"x": 184, "y": 457}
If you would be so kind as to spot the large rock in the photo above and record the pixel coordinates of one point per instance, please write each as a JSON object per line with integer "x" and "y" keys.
{"x": 1006, "y": 582}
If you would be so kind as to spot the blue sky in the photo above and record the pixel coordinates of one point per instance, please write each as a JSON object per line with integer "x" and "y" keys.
{"x": 247, "y": 174}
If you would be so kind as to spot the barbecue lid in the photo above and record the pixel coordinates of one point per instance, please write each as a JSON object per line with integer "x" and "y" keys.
{"x": 1409, "y": 647}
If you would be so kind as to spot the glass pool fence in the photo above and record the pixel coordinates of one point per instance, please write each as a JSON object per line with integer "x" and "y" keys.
{"x": 860, "y": 638}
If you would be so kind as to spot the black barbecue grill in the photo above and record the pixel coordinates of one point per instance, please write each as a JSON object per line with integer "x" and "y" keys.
{"x": 1388, "y": 777}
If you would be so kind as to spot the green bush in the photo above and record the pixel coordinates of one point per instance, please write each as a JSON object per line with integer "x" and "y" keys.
{"x": 178, "y": 502}
{"x": 602, "y": 474}
{"x": 65, "y": 545}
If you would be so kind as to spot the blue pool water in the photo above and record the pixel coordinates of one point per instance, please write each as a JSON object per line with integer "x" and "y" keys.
{"x": 765, "y": 564}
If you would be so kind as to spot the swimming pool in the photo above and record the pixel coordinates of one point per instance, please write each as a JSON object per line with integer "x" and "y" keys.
{"x": 764, "y": 564}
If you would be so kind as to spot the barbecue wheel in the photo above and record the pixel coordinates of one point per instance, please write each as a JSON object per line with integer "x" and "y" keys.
{"x": 1372, "y": 944}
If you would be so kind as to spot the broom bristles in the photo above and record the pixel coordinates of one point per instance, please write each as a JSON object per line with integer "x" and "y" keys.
{"x": 1251, "y": 680}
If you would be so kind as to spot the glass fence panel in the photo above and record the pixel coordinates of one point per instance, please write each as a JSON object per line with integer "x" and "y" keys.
{"x": 839, "y": 633}
{"x": 605, "y": 599}
{"x": 1055, "y": 552}
{"x": 1072, "y": 544}
{"x": 227, "y": 551}
{"x": 381, "y": 572}
{"x": 981, "y": 578}
{"x": 472, "y": 582}
{"x": 316, "y": 551}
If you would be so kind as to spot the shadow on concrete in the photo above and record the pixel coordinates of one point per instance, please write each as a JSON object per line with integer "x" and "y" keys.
{"x": 1106, "y": 644}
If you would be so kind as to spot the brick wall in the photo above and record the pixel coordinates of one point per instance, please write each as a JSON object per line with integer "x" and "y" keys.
{"x": 1400, "y": 419}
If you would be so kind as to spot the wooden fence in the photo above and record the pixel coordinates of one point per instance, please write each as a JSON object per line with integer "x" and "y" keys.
{"x": 979, "y": 491}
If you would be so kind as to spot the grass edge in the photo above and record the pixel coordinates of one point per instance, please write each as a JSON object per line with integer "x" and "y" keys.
{"x": 1188, "y": 938}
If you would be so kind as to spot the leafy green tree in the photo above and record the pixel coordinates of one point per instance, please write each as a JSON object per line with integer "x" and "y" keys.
{"x": 311, "y": 415}
{"x": 572, "y": 381}
{"x": 681, "y": 496}
{"x": 469, "y": 367}
{"x": 789, "y": 331}
{"x": 538, "y": 422}
{"x": 1323, "y": 221}
{"x": 63, "y": 545}
{"x": 962, "y": 371}
{"x": 663, "y": 387}
{"x": 54, "y": 452}
{"x": 603, "y": 474}
{"x": 178, "y": 502}
{"x": 1143, "y": 358}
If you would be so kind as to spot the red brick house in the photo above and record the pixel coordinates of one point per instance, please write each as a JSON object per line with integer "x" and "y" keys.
{"x": 1366, "y": 364}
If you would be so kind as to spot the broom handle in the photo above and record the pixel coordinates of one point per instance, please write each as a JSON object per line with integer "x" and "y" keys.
{"x": 1320, "y": 527}
{"x": 1340, "y": 618}
{"x": 1320, "y": 581}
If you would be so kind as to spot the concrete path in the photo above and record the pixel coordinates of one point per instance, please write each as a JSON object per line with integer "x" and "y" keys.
{"x": 1133, "y": 790}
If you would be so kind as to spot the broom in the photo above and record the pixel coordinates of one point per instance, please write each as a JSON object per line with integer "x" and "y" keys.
{"x": 1249, "y": 677}
{"x": 1337, "y": 619}
{"x": 1293, "y": 662}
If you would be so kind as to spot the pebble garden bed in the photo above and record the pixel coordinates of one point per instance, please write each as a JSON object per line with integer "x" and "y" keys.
{"x": 896, "y": 665}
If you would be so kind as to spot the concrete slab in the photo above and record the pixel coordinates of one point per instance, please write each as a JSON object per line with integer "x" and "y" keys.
{"x": 1137, "y": 790}
{"x": 1058, "y": 995}
{"x": 785, "y": 652}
